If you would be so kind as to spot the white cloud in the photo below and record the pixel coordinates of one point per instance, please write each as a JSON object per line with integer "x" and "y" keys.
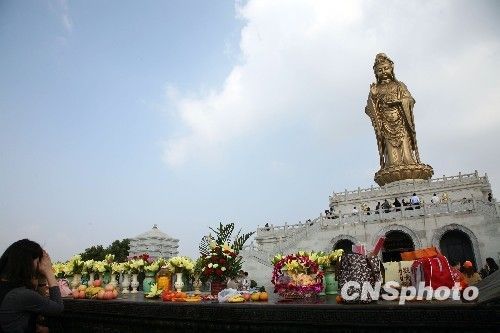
{"x": 61, "y": 8}
{"x": 311, "y": 61}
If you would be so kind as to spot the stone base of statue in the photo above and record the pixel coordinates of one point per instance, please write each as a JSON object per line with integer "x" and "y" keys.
{"x": 401, "y": 172}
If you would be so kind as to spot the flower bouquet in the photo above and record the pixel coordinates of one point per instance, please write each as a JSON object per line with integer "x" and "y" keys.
{"x": 180, "y": 264}
{"x": 136, "y": 266}
{"x": 75, "y": 265}
{"x": 328, "y": 260}
{"x": 297, "y": 275}
{"x": 220, "y": 264}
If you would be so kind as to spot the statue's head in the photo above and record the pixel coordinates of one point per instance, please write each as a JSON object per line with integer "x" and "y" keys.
{"x": 383, "y": 68}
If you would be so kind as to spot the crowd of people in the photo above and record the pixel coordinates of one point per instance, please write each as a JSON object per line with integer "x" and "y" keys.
{"x": 386, "y": 206}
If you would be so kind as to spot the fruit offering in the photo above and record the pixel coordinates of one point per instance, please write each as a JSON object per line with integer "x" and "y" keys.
{"x": 175, "y": 296}
{"x": 193, "y": 298}
{"x": 260, "y": 296}
{"x": 95, "y": 292}
{"x": 236, "y": 299}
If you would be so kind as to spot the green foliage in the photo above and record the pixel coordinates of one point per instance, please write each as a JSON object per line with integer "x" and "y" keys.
{"x": 98, "y": 252}
{"x": 94, "y": 252}
{"x": 223, "y": 235}
{"x": 119, "y": 249}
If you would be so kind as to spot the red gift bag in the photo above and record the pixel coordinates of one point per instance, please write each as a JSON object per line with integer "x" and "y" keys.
{"x": 435, "y": 272}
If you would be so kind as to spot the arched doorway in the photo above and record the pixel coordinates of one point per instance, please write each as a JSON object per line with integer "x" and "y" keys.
{"x": 396, "y": 241}
{"x": 344, "y": 244}
{"x": 456, "y": 246}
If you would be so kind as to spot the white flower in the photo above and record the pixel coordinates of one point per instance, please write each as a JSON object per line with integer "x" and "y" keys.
{"x": 210, "y": 265}
{"x": 223, "y": 268}
{"x": 216, "y": 265}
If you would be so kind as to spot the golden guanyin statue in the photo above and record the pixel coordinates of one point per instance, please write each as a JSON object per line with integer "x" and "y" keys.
{"x": 390, "y": 108}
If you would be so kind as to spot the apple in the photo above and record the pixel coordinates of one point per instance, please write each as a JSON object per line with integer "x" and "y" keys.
{"x": 97, "y": 283}
{"x": 76, "y": 293}
{"x": 81, "y": 294}
{"x": 115, "y": 293}
{"x": 109, "y": 287}
{"x": 246, "y": 296}
{"x": 108, "y": 295}
{"x": 100, "y": 294}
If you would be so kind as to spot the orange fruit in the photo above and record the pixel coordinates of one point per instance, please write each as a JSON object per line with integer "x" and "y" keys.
{"x": 339, "y": 299}
{"x": 255, "y": 296}
{"x": 263, "y": 296}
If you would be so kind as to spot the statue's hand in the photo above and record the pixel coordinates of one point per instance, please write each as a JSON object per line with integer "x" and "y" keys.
{"x": 373, "y": 89}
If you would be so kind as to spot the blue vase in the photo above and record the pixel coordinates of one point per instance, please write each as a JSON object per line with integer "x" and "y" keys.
{"x": 149, "y": 279}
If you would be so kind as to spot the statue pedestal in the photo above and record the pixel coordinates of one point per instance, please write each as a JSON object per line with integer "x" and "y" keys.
{"x": 402, "y": 172}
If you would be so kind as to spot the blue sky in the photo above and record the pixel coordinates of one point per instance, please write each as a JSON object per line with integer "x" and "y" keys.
{"x": 118, "y": 115}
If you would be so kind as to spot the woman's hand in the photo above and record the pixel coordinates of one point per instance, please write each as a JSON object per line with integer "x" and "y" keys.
{"x": 45, "y": 267}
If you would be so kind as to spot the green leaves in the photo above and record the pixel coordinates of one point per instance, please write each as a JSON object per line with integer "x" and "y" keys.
{"x": 223, "y": 235}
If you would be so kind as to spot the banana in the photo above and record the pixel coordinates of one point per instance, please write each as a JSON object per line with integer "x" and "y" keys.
{"x": 236, "y": 299}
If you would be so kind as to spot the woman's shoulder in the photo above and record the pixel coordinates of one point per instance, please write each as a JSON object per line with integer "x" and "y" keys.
{"x": 20, "y": 293}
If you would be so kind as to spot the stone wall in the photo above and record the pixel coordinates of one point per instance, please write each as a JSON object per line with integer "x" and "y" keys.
{"x": 476, "y": 217}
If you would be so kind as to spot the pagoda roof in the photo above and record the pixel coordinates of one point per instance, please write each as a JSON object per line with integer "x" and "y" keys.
{"x": 154, "y": 233}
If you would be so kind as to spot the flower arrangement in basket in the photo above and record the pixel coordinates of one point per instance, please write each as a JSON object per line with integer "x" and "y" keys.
{"x": 297, "y": 275}
{"x": 219, "y": 260}
{"x": 221, "y": 263}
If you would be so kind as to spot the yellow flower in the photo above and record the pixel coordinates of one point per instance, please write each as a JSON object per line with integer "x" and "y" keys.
{"x": 227, "y": 247}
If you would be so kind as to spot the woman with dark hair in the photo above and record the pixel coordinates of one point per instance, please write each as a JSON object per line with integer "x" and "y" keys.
{"x": 490, "y": 267}
{"x": 19, "y": 301}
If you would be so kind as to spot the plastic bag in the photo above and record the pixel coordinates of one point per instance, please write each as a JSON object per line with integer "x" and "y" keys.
{"x": 64, "y": 287}
{"x": 224, "y": 294}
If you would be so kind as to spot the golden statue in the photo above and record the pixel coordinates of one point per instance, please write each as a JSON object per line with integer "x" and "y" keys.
{"x": 390, "y": 108}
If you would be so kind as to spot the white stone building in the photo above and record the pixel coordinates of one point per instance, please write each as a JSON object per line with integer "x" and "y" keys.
{"x": 155, "y": 243}
{"x": 464, "y": 225}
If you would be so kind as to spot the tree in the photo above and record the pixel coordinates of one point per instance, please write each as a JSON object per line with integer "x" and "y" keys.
{"x": 94, "y": 252}
{"x": 120, "y": 249}
{"x": 98, "y": 252}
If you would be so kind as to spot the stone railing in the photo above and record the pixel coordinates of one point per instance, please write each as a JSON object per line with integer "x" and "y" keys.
{"x": 409, "y": 186}
{"x": 257, "y": 254}
{"x": 284, "y": 230}
{"x": 454, "y": 207}
{"x": 283, "y": 241}
{"x": 284, "y": 237}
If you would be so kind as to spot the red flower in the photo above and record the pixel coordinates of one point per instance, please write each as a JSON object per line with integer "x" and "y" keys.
{"x": 218, "y": 272}
{"x": 222, "y": 261}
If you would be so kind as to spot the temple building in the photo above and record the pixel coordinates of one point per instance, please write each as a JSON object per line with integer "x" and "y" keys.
{"x": 456, "y": 214}
{"x": 155, "y": 243}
